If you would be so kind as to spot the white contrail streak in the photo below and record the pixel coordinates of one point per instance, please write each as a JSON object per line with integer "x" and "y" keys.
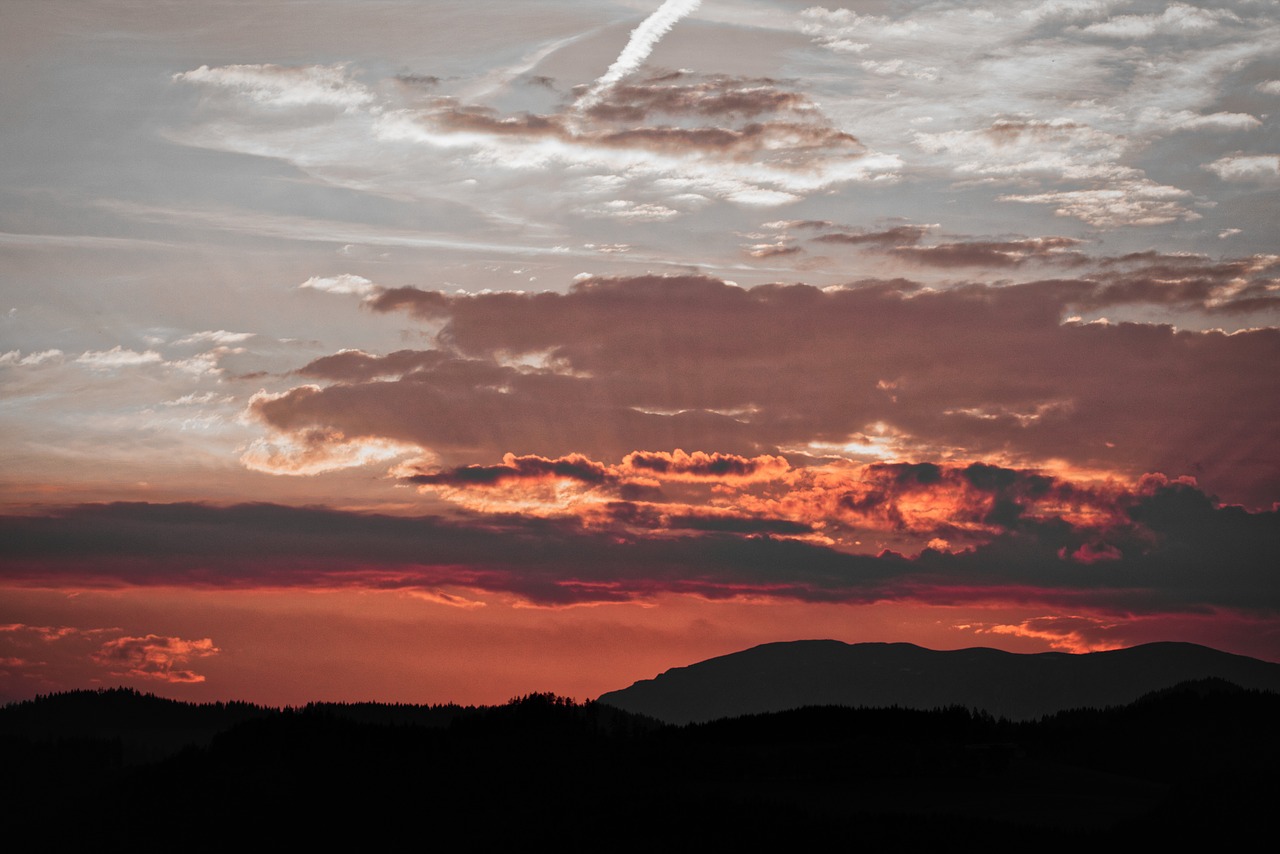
{"x": 644, "y": 39}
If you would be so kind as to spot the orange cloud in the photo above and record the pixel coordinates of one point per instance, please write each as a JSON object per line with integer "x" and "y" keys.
{"x": 1068, "y": 633}
{"x": 1175, "y": 550}
{"x": 971, "y": 502}
{"x": 154, "y": 657}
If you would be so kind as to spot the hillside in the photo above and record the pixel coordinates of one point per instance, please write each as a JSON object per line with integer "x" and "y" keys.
{"x": 779, "y": 676}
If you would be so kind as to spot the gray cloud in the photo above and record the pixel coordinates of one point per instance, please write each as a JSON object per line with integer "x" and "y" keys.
{"x": 661, "y": 362}
{"x": 1173, "y": 551}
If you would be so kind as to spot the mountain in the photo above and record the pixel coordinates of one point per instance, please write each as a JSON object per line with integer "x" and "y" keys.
{"x": 778, "y": 676}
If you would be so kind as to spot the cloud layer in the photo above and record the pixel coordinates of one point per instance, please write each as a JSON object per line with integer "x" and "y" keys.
{"x": 1165, "y": 548}
{"x": 880, "y": 369}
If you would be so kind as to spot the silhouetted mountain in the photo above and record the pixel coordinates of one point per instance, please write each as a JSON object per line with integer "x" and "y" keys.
{"x": 779, "y": 676}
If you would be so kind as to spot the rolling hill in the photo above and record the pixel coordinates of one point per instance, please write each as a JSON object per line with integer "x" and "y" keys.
{"x": 778, "y": 676}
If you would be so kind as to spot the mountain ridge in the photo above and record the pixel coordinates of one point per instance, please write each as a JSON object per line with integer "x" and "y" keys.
{"x": 790, "y": 674}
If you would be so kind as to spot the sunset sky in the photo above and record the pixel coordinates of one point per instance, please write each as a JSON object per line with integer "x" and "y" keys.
{"x": 446, "y": 351}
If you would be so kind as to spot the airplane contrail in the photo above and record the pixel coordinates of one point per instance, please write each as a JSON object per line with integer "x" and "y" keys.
{"x": 644, "y": 39}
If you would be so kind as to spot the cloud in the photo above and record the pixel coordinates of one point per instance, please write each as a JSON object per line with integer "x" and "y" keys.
{"x": 1122, "y": 203}
{"x": 574, "y": 467}
{"x": 117, "y": 357}
{"x": 1191, "y": 281}
{"x": 701, "y": 466}
{"x": 654, "y": 362}
{"x": 754, "y": 144}
{"x": 316, "y": 451}
{"x": 470, "y": 407}
{"x": 899, "y": 67}
{"x": 194, "y": 399}
{"x": 343, "y": 283}
{"x": 771, "y": 250}
{"x": 1061, "y": 149}
{"x": 1005, "y": 253}
{"x": 1070, "y": 633}
{"x": 1176, "y": 19}
{"x": 47, "y": 634}
{"x": 1070, "y": 142}
{"x": 798, "y": 223}
{"x": 1178, "y": 553}
{"x": 898, "y": 235}
{"x": 777, "y": 144}
{"x": 1189, "y": 120}
{"x": 280, "y": 86}
{"x": 219, "y": 336}
{"x": 874, "y": 106}
{"x": 920, "y": 505}
{"x": 155, "y": 657}
{"x": 682, "y": 93}
{"x": 630, "y": 211}
{"x": 905, "y": 503}
{"x": 205, "y": 363}
{"x": 40, "y": 357}
{"x": 356, "y": 365}
{"x": 1247, "y": 168}
{"x": 649, "y": 489}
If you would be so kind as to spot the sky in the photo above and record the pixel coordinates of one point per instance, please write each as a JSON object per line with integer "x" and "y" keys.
{"x": 429, "y": 351}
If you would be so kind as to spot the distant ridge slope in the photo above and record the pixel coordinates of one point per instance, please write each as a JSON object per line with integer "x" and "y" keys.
{"x": 778, "y": 676}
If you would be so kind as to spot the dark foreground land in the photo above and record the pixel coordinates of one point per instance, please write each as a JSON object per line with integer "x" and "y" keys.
{"x": 1195, "y": 763}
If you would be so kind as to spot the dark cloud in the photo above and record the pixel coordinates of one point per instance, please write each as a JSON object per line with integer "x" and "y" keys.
{"x": 1236, "y": 285}
{"x": 801, "y": 223}
{"x": 752, "y": 119}
{"x": 475, "y": 411}
{"x": 681, "y": 93}
{"x": 651, "y": 517}
{"x": 902, "y": 241}
{"x": 574, "y": 467}
{"x": 691, "y": 362}
{"x": 357, "y": 366}
{"x": 1004, "y": 132}
{"x": 459, "y": 117}
{"x": 899, "y": 235}
{"x": 991, "y": 253}
{"x": 729, "y": 523}
{"x": 424, "y": 80}
{"x": 424, "y": 304}
{"x": 703, "y": 466}
{"x": 783, "y": 142}
{"x": 1177, "y": 551}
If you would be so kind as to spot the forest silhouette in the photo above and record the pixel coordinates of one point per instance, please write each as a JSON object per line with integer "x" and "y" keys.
{"x": 1192, "y": 762}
